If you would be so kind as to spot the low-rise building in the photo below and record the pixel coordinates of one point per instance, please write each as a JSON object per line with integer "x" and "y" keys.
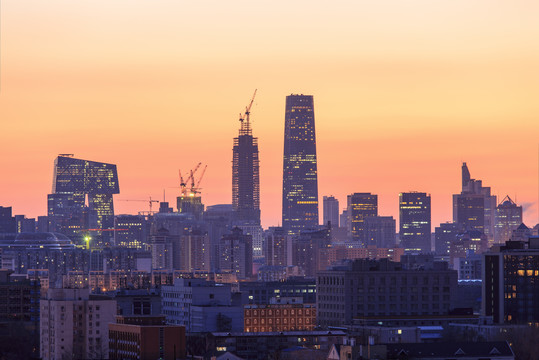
{"x": 145, "y": 338}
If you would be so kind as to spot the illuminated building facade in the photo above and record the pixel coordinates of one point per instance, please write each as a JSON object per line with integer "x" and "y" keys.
{"x": 79, "y": 186}
{"x": 511, "y": 282}
{"x": 300, "y": 179}
{"x": 508, "y": 218}
{"x": 414, "y": 219}
{"x": 284, "y": 315}
{"x": 132, "y": 231}
{"x": 360, "y": 206}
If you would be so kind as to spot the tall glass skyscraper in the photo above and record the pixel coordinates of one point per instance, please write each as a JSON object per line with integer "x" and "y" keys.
{"x": 300, "y": 179}
{"x": 80, "y": 189}
{"x": 415, "y": 221}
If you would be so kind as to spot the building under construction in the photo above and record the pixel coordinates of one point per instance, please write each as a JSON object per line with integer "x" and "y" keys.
{"x": 245, "y": 180}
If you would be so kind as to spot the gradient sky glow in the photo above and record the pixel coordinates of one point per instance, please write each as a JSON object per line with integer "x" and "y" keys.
{"x": 404, "y": 92}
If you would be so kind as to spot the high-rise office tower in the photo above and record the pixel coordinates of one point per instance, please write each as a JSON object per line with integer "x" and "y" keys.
{"x": 82, "y": 189}
{"x": 474, "y": 208}
{"x": 300, "y": 179}
{"x": 508, "y": 218}
{"x": 444, "y": 236}
{"x": 246, "y": 182}
{"x": 414, "y": 219}
{"x": 380, "y": 231}
{"x": 331, "y": 211}
{"x": 360, "y": 206}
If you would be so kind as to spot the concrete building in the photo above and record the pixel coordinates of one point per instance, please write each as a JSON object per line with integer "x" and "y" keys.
{"x": 368, "y": 288}
{"x": 278, "y": 251}
{"x": 259, "y": 292}
{"x": 132, "y": 231}
{"x": 331, "y": 211}
{"x": 444, "y": 236}
{"x": 145, "y": 338}
{"x": 201, "y": 305}
{"x": 510, "y": 282}
{"x": 380, "y": 231}
{"x": 236, "y": 250}
{"x": 281, "y": 314}
{"x": 74, "y": 324}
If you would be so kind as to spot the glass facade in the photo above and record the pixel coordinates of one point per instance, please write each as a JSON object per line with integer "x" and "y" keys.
{"x": 361, "y": 206}
{"x": 415, "y": 221}
{"x": 82, "y": 187}
{"x": 300, "y": 177}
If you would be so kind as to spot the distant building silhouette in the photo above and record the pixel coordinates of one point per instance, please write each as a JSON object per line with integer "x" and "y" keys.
{"x": 360, "y": 206}
{"x": 300, "y": 179}
{"x": 380, "y": 231}
{"x": 444, "y": 236}
{"x": 236, "y": 254}
{"x": 474, "y": 208}
{"x": 331, "y": 211}
{"x": 508, "y": 218}
{"x": 415, "y": 223}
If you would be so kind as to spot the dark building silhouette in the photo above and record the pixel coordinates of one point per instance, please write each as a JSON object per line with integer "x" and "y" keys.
{"x": 300, "y": 179}
{"x": 474, "y": 208}
{"x": 245, "y": 174}
{"x": 360, "y": 206}
{"x": 7, "y": 221}
{"x": 380, "y": 231}
{"x": 414, "y": 219}
{"x": 510, "y": 278}
{"x": 246, "y": 182}
{"x": 236, "y": 253}
{"x": 444, "y": 236}
{"x": 82, "y": 189}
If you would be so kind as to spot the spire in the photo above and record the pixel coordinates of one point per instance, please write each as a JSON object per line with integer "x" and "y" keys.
{"x": 465, "y": 176}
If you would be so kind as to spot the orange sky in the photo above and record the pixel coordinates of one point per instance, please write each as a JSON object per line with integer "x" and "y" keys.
{"x": 404, "y": 91}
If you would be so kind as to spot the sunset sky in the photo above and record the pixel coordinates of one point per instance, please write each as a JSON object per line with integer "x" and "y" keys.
{"x": 404, "y": 91}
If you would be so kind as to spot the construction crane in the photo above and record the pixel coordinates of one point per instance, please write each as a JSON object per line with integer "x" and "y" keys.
{"x": 191, "y": 181}
{"x": 150, "y": 201}
{"x": 245, "y": 118}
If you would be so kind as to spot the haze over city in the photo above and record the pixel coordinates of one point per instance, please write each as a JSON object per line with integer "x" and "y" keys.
{"x": 403, "y": 93}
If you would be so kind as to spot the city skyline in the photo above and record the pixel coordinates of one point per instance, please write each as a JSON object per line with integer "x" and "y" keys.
{"x": 404, "y": 99}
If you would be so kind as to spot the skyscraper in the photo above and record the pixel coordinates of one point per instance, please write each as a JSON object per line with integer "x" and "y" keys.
{"x": 508, "y": 218}
{"x": 414, "y": 219}
{"x": 474, "y": 208}
{"x": 246, "y": 182}
{"x": 331, "y": 211}
{"x": 245, "y": 174}
{"x": 83, "y": 189}
{"x": 360, "y": 206}
{"x": 300, "y": 179}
